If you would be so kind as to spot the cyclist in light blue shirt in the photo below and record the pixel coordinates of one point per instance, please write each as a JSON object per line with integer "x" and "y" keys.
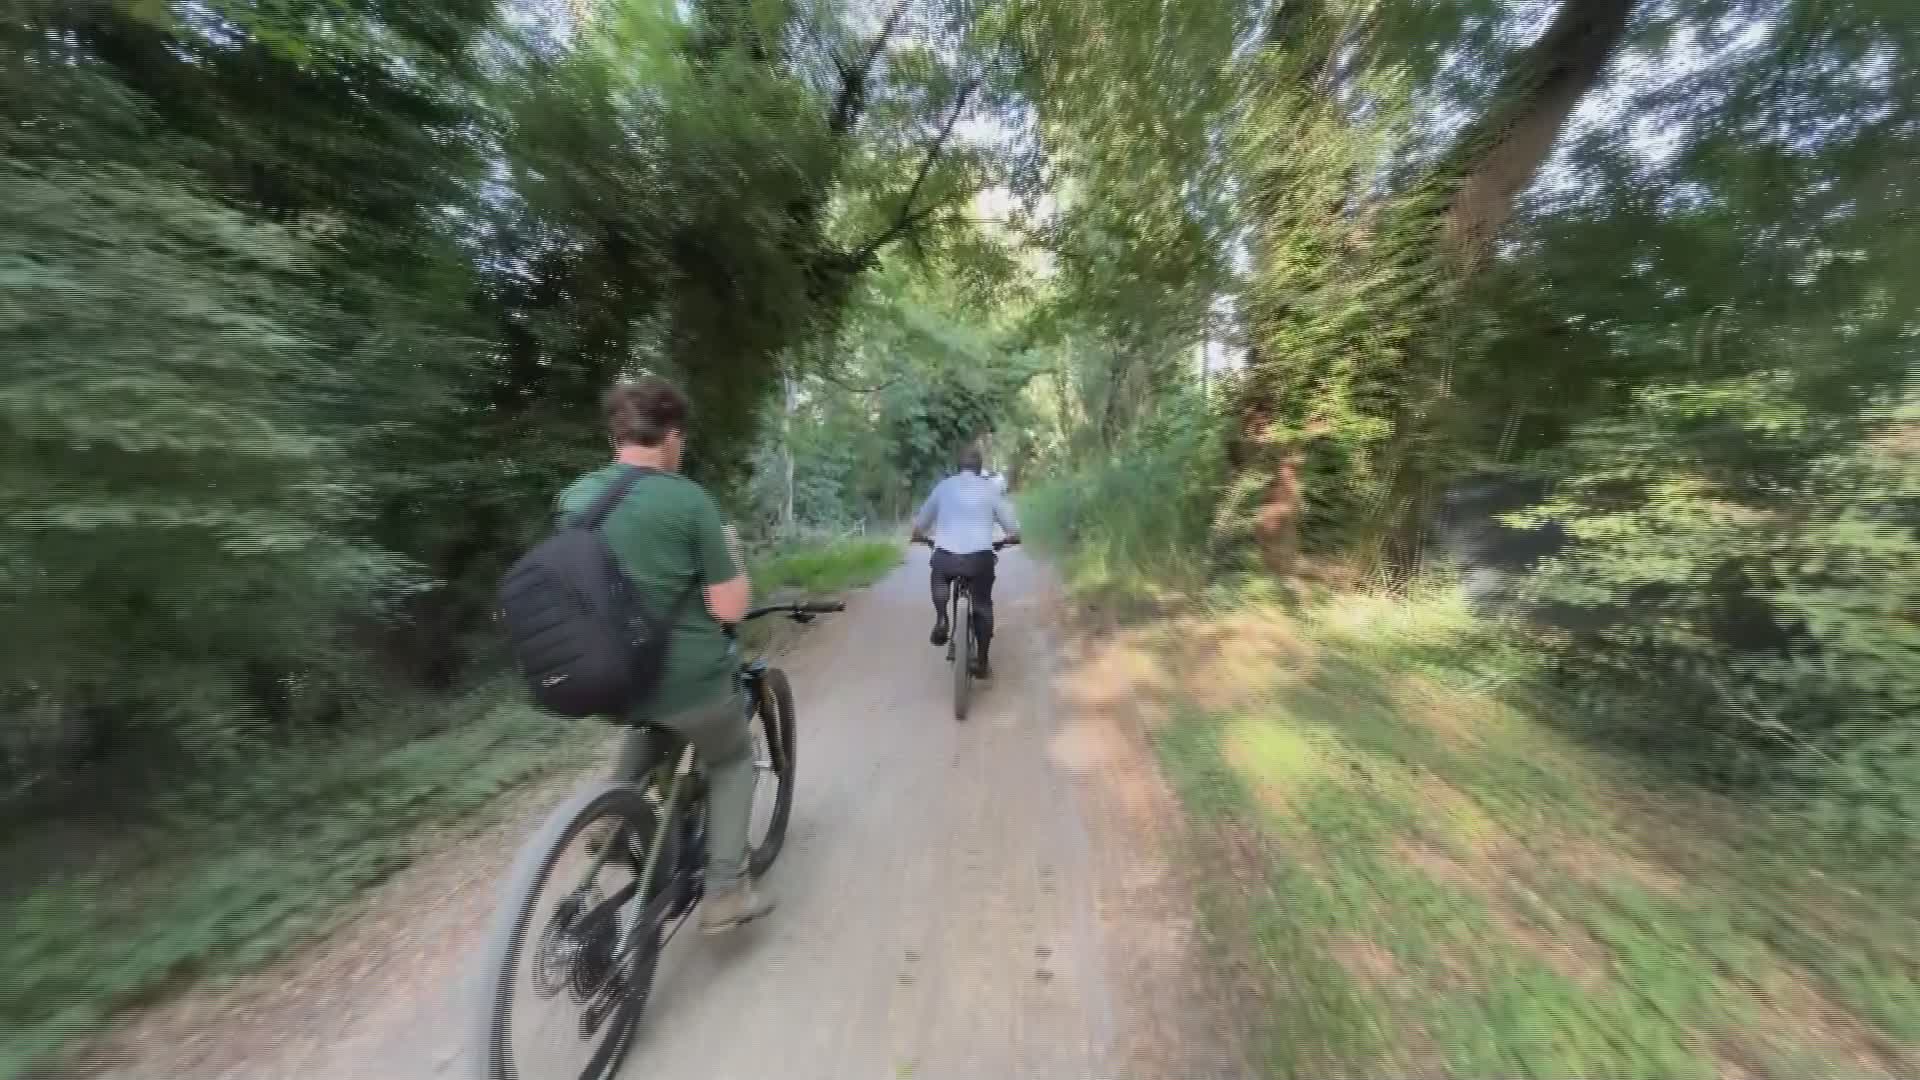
{"x": 961, "y": 513}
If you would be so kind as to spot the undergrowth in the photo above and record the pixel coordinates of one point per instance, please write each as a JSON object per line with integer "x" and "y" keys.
{"x": 224, "y": 875}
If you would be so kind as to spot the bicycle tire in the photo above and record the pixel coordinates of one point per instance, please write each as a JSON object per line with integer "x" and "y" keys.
{"x": 963, "y": 657}
{"x": 775, "y": 712}
{"x": 501, "y": 958}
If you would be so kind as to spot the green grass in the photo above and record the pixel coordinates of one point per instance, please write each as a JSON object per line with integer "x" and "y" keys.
{"x": 236, "y": 870}
{"x": 1439, "y": 883}
{"x": 847, "y": 563}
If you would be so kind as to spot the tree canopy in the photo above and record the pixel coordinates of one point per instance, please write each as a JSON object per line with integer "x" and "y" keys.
{"x": 307, "y": 310}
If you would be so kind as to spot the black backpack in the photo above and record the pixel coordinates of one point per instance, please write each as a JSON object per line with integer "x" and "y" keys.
{"x": 578, "y": 630}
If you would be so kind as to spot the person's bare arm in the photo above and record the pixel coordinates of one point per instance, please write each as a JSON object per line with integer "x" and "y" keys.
{"x": 727, "y": 602}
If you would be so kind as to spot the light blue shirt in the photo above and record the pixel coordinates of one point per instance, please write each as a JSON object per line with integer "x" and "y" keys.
{"x": 962, "y": 512}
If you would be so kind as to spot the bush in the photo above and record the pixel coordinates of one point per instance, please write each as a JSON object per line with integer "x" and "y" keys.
{"x": 1142, "y": 513}
{"x": 185, "y": 516}
{"x": 1755, "y": 570}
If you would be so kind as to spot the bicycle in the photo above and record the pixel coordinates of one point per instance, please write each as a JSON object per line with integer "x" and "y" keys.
{"x": 595, "y": 945}
{"x": 961, "y": 642}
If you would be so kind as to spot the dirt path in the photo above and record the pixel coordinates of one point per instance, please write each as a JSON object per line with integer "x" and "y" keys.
{"x": 988, "y": 899}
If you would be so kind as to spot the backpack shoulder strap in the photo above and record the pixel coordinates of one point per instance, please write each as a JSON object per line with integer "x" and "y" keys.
{"x": 596, "y": 514}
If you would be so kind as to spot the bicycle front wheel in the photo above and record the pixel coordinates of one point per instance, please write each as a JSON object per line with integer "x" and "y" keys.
{"x": 773, "y": 736}
{"x": 963, "y": 656}
{"x": 559, "y": 997}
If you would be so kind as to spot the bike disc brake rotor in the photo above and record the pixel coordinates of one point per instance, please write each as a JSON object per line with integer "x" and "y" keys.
{"x": 571, "y": 957}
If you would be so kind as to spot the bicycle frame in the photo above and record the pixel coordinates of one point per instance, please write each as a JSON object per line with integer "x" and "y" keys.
{"x": 752, "y": 677}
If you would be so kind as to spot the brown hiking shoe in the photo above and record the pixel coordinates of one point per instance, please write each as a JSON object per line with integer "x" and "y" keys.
{"x": 736, "y": 907}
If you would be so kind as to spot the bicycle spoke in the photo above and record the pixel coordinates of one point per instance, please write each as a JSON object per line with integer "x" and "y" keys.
{"x": 566, "y": 1011}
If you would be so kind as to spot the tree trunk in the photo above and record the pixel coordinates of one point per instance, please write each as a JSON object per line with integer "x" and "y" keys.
{"x": 1276, "y": 528}
{"x": 1499, "y": 154}
{"x": 1495, "y": 159}
{"x": 1250, "y": 453}
{"x": 786, "y": 439}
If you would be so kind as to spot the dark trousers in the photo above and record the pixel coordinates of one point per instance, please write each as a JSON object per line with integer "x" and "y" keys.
{"x": 976, "y": 569}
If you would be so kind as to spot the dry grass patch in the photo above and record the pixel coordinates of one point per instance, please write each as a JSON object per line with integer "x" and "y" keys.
{"x": 1457, "y": 718}
{"x": 1368, "y": 962}
{"x": 1793, "y": 1016}
{"x": 1602, "y": 864}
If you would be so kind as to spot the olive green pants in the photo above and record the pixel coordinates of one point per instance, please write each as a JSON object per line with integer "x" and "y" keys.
{"x": 724, "y": 749}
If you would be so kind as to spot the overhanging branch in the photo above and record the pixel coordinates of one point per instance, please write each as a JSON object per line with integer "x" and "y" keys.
{"x": 874, "y": 389}
{"x": 939, "y": 142}
{"x": 908, "y": 217}
{"x": 902, "y": 225}
{"x": 852, "y": 100}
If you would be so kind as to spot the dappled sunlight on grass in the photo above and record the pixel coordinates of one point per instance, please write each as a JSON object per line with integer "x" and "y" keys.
{"x": 1459, "y": 720}
{"x": 1427, "y": 880}
{"x": 1119, "y": 669}
{"x": 1273, "y": 761}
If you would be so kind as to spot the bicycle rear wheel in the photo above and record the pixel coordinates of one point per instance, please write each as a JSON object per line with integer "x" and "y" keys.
{"x": 556, "y": 1000}
{"x": 963, "y": 655}
{"x": 773, "y": 746}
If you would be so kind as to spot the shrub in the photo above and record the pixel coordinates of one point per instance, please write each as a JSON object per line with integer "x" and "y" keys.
{"x": 1756, "y": 570}
{"x": 1142, "y": 512}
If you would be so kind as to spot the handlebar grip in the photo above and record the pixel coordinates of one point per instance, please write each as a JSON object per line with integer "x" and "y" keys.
{"x": 824, "y": 607}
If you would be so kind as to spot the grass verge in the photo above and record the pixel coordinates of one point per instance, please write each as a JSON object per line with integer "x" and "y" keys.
{"x": 847, "y": 563}
{"x": 234, "y": 872}
{"x": 1414, "y": 875}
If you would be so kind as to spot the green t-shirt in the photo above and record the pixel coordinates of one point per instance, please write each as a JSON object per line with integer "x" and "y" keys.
{"x": 667, "y": 534}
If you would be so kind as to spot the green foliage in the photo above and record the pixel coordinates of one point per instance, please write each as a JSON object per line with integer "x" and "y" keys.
{"x": 1697, "y": 326}
{"x": 916, "y": 371}
{"x": 192, "y": 483}
{"x": 1773, "y": 621}
{"x": 1711, "y": 351}
{"x": 308, "y": 309}
{"x": 1140, "y": 516}
{"x": 816, "y": 569}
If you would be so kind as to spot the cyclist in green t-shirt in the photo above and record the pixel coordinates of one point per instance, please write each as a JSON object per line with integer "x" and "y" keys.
{"x": 672, "y": 542}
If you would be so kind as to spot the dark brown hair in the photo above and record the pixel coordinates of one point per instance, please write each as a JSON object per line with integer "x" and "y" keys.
{"x": 644, "y": 411}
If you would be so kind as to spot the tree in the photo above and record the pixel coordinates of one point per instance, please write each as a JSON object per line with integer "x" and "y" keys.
{"x": 319, "y": 300}
{"x": 1500, "y": 153}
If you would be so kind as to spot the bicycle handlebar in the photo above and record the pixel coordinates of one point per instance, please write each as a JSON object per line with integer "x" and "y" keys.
{"x": 803, "y": 608}
{"x": 997, "y": 544}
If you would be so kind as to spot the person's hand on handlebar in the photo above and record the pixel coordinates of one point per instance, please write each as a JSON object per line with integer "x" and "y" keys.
{"x": 1006, "y": 541}
{"x": 919, "y": 537}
